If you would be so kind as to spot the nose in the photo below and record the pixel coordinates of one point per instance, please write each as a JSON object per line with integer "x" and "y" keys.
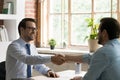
{"x": 34, "y": 29}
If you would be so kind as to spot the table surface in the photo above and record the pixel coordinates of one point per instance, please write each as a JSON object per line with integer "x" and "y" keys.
{"x": 64, "y": 75}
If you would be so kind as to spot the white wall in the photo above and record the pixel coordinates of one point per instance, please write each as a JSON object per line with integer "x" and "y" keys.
{"x": 3, "y": 49}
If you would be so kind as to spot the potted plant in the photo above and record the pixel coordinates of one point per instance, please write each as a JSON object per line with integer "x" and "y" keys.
{"x": 52, "y": 43}
{"x": 92, "y": 37}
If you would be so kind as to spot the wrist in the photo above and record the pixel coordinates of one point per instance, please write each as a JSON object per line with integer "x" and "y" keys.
{"x": 50, "y": 70}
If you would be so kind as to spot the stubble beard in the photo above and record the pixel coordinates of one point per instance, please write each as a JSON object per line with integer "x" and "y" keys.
{"x": 31, "y": 37}
{"x": 100, "y": 40}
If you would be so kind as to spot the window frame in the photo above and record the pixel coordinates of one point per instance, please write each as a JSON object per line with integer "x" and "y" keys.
{"x": 45, "y": 28}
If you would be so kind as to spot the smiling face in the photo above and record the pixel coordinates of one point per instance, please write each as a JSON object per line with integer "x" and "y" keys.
{"x": 29, "y": 33}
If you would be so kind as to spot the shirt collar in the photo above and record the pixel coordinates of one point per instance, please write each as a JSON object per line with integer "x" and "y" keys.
{"x": 23, "y": 41}
{"x": 113, "y": 40}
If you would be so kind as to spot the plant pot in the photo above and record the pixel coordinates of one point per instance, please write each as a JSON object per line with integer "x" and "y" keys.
{"x": 52, "y": 47}
{"x": 93, "y": 45}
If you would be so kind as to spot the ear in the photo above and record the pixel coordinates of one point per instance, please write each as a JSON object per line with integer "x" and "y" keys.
{"x": 104, "y": 33}
{"x": 21, "y": 29}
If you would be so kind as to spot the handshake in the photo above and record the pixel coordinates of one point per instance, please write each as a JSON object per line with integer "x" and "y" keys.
{"x": 62, "y": 58}
{"x": 58, "y": 59}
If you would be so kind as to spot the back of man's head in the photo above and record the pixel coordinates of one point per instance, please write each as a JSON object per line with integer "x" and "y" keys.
{"x": 112, "y": 27}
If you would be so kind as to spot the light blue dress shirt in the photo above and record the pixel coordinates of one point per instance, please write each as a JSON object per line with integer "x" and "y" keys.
{"x": 17, "y": 60}
{"x": 104, "y": 63}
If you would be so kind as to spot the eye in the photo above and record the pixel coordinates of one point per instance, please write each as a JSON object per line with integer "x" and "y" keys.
{"x": 31, "y": 28}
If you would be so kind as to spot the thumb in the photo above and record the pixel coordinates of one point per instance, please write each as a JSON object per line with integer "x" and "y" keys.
{"x": 48, "y": 74}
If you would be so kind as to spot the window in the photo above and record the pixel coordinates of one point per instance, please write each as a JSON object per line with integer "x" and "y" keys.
{"x": 64, "y": 20}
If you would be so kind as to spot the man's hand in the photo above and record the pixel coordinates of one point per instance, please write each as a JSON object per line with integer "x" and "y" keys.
{"x": 58, "y": 59}
{"x": 52, "y": 74}
{"x": 77, "y": 78}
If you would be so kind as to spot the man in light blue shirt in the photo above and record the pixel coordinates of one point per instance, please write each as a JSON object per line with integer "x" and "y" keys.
{"x": 104, "y": 64}
{"x": 17, "y": 57}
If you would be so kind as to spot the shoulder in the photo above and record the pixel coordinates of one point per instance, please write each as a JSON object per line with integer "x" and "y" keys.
{"x": 102, "y": 52}
{"x": 107, "y": 51}
{"x": 16, "y": 44}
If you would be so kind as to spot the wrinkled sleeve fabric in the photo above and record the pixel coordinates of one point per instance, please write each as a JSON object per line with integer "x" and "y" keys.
{"x": 17, "y": 60}
{"x": 19, "y": 53}
{"x": 41, "y": 68}
{"x": 98, "y": 63}
{"x": 86, "y": 58}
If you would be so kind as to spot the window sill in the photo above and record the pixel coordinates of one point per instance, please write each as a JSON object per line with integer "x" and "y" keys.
{"x": 64, "y": 51}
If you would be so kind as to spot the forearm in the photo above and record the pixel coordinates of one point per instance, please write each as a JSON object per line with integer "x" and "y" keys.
{"x": 74, "y": 58}
{"x": 41, "y": 68}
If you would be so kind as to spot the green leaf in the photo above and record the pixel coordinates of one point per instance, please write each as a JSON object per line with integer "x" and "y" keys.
{"x": 52, "y": 42}
{"x": 94, "y": 28}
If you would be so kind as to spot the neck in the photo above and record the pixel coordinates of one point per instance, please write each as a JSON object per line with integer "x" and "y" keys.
{"x": 105, "y": 41}
{"x": 28, "y": 41}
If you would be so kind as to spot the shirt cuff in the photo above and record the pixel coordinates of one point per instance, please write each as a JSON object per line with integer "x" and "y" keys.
{"x": 46, "y": 70}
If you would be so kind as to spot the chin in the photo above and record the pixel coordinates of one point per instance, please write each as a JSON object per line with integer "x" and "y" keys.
{"x": 31, "y": 39}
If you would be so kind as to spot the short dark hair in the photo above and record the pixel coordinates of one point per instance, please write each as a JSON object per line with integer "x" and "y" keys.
{"x": 112, "y": 27}
{"x": 23, "y": 23}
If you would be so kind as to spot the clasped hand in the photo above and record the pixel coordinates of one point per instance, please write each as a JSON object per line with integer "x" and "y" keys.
{"x": 58, "y": 59}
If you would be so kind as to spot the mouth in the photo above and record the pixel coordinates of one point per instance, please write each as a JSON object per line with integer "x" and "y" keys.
{"x": 32, "y": 35}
